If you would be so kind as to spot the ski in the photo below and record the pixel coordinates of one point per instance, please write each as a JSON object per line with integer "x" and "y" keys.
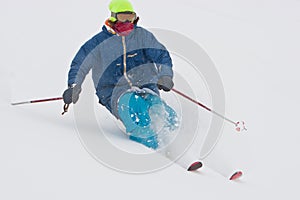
{"x": 236, "y": 175}
{"x": 195, "y": 166}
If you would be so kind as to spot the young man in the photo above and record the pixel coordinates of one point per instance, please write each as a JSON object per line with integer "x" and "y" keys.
{"x": 129, "y": 67}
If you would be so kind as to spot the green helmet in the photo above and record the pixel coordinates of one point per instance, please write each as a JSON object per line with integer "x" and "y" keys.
{"x": 117, "y": 6}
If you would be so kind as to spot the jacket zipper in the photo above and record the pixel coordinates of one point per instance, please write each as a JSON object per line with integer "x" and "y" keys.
{"x": 125, "y": 62}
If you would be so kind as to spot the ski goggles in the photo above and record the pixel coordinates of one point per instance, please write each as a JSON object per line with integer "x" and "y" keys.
{"x": 124, "y": 16}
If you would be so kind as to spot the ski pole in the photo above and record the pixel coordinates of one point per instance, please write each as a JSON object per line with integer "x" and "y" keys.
{"x": 240, "y": 126}
{"x": 66, "y": 106}
{"x": 37, "y": 101}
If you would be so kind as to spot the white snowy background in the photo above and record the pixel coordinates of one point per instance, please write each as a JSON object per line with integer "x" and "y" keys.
{"x": 255, "y": 46}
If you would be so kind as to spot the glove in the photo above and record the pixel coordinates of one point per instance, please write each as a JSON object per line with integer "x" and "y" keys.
{"x": 71, "y": 95}
{"x": 165, "y": 83}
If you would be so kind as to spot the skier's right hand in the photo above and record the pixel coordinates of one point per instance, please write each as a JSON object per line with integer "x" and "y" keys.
{"x": 165, "y": 83}
{"x": 71, "y": 95}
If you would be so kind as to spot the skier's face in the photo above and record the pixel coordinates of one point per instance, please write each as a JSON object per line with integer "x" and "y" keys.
{"x": 123, "y": 28}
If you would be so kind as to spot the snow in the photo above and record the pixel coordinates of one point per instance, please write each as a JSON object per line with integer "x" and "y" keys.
{"x": 254, "y": 46}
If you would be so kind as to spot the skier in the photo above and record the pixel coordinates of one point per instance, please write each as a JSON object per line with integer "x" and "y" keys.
{"x": 129, "y": 67}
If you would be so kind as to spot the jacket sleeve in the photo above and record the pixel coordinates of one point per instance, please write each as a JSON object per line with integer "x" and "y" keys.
{"x": 158, "y": 54}
{"x": 82, "y": 63}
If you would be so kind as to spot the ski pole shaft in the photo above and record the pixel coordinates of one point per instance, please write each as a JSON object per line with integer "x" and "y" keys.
{"x": 203, "y": 106}
{"x": 37, "y": 101}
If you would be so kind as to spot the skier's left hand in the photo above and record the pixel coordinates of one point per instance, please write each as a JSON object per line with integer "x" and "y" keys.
{"x": 165, "y": 83}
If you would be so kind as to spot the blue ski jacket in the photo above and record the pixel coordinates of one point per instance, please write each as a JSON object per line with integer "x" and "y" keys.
{"x": 119, "y": 63}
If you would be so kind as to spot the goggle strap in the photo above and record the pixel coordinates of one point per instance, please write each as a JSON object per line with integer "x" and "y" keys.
{"x": 114, "y": 15}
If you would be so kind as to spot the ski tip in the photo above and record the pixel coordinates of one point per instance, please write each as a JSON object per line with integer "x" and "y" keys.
{"x": 236, "y": 175}
{"x": 195, "y": 166}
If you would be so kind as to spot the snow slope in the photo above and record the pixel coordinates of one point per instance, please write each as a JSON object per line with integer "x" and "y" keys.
{"x": 254, "y": 45}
